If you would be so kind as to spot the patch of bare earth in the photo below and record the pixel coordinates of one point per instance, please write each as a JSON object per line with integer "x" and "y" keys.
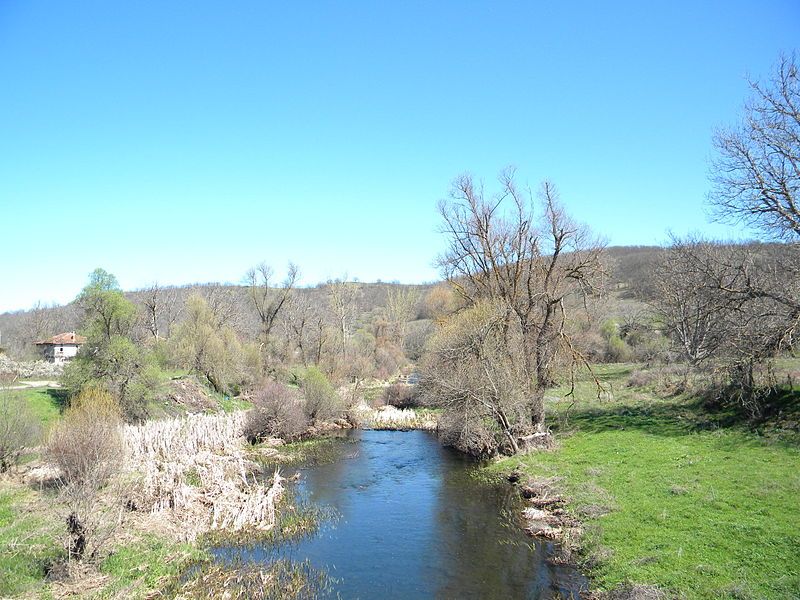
{"x": 190, "y": 395}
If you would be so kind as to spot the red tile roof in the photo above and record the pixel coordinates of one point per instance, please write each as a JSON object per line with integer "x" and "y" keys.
{"x": 63, "y": 338}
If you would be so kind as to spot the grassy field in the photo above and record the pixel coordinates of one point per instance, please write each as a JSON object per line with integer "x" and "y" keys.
{"x": 45, "y": 403}
{"x": 670, "y": 495}
{"x": 27, "y": 542}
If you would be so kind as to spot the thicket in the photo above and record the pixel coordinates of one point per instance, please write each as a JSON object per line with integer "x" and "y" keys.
{"x": 277, "y": 411}
{"x": 321, "y": 402}
{"x": 401, "y": 395}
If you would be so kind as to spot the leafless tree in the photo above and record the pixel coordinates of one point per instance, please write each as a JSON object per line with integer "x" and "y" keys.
{"x": 269, "y": 299}
{"x": 342, "y": 296}
{"x": 300, "y": 324}
{"x": 223, "y": 304}
{"x": 692, "y": 313}
{"x": 756, "y": 175}
{"x": 733, "y": 305}
{"x": 475, "y": 371}
{"x": 530, "y": 264}
{"x": 40, "y": 322}
{"x": 401, "y": 307}
{"x": 161, "y": 309}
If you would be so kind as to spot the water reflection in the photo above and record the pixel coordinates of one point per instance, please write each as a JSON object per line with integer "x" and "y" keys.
{"x": 414, "y": 524}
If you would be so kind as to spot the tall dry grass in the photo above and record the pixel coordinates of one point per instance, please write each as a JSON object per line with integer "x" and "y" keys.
{"x": 389, "y": 417}
{"x": 193, "y": 471}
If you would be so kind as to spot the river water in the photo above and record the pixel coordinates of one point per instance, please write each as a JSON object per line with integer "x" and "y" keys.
{"x": 413, "y": 523}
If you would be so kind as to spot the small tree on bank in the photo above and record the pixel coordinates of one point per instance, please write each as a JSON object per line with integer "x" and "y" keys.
{"x": 474, "y": 369}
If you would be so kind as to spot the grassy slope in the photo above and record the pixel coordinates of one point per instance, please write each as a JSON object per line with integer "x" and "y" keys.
{"x": 699, "y": 510}
{"x": 26, "y": 543}
{"x": 45, "y": 403}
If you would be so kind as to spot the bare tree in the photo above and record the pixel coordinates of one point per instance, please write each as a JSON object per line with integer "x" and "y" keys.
{"x": 161, "y": 309}
{"x": 531, "y": 265}
{"x": 401, "y": 307}
{"x": 267, "y": 299}
{"x": 342, "y": 296}
{"x": 756, "y": 175}
{"x": 734, "y": 306}
{"x": 692, "y": 314}
{"x": 223, "y": 303}
{"x": 300, "y": 322}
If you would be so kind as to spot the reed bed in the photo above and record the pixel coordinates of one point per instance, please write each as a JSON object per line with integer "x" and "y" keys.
{"x": 390, "y": 417}
{"x": 193, "y": 472}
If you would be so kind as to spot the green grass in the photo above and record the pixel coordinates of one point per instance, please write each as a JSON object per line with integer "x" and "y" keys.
{"x": 27, "y": 544}
{"x": 232, "y": 403}
{"x": 152, "y": 563}
{"x": 698, "y": 509}
{"x": 45, "y": 403}
{"x": 313, "y": 451}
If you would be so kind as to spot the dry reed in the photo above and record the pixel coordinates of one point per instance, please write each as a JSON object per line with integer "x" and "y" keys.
{"x": 389, "y": 417}
{"x": 194, "y": 472}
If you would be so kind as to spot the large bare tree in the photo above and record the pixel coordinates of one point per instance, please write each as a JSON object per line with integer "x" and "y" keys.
{"x": 756, "y": 174}
{"x": 500, "y": 248}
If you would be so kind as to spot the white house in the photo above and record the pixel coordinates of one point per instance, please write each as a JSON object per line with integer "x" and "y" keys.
{"x": 62, "y": 347}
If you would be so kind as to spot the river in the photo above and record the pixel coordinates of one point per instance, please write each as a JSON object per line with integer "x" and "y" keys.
{"x": 414, "y": 523}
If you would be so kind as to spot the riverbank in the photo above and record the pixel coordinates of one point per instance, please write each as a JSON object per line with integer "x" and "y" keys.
{"x": 180, "y": 485}
{"x": 670, "y": 497}
{"x": 186, "y": 484}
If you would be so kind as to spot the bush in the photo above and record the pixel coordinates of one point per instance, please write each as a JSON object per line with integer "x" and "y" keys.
{"x": 19, "y": 429}
{"x": 277, "y": 412}
{"x": 321, "y": 400}
{"x": 86, "y": 444}
{"x": 618, "y": 350}
{"x": 666, "y": 379}
{"x": 401, "y": 396}
{"x": 478, "y": 438}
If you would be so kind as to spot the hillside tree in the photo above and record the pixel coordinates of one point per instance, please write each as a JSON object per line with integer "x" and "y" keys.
{"x": 267, "y": 298}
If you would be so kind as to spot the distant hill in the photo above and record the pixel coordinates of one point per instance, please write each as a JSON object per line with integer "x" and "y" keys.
{"x": 630, "y": 270}
{"x": 20, "y": 329}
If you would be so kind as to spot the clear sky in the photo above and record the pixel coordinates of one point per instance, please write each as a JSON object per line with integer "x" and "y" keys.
{"x": 187, "y": 141}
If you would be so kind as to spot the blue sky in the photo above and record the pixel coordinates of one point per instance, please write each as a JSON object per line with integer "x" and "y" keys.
{"x": 187, "y": 141}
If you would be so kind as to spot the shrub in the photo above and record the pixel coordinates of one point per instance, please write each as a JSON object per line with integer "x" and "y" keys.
{"x": 401, "y": 396}
{"x": 86, "y": 444}
{"x": 19, "y": 429}
{"x": 277, "y": 412}
{"x": 666, "y": 379}
{"x": 618, "y": 350}
{"x": 321, "y": 400}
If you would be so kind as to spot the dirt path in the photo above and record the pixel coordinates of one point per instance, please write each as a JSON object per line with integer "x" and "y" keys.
{"x": 24, "y": 385}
